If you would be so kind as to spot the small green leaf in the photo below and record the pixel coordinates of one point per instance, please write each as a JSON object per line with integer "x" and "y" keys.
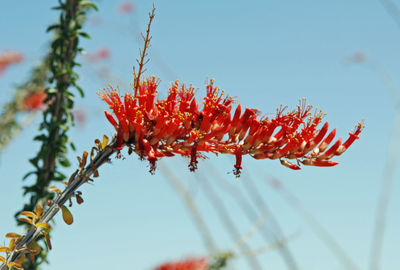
{"x": 53, "y": 26}
{"x": 29, "y": 174}
{"x": 85, "y": 35}
{"x": 89, "y": 4}
{"x": 43, "y": 225}
{"x": 67, "y": 216}
{"x": 80, "y": 90}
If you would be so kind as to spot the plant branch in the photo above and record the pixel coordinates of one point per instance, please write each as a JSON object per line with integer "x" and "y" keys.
{"x": 80, "y": 178}
{"x": 58, "y": 117}
{"x": 143, "y": 53}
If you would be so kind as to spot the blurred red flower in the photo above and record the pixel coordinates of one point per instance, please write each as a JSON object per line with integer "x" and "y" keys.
{"x": 8, "y": 58}
{"x": 155, "y": 128}
{"x": 125, "y": 8}
{"x": 80, "y": 116}
{"x": 34, "y": 101}
{"x": 188, "y": 264}
{"x": 101, "y": 54}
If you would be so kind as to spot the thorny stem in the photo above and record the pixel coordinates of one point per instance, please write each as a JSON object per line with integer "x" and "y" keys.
{"x": 57, "y": 118}
{"x": 143, "y": 53}
{"x": 81, "y": 178}
{"x": 49, "y": 162}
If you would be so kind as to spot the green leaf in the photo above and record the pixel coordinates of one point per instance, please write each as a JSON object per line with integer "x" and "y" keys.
{"x": 57, "y": 43}
{"x": 64, "y": 163}
{"x": 29, "y": 174}
{"x": 53, "y": 26}
{"x": 67, "y": 216}
{"x": 57, "y": 8}
{"x": 34, "y": 162}
{"x": 80, "y": 90}
{"x": 51, "y": 90}
{"x": 58, "y": 176}
{"x": 72, "y": 145}
{"x": 88, "y": 4}
{"x": 41, "y": 137}
{"x": 85, "y": 35}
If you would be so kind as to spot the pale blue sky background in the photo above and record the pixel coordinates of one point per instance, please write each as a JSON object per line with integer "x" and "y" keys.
{"x": 265, "y": 53}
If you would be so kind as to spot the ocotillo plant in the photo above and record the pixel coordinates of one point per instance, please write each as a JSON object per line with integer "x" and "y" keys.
{"x": 58, "y": 117}
{"x": 144, "y": 127}
{"x": 154, "y": 128}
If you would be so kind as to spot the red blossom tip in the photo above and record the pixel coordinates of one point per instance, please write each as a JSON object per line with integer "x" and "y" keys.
{"x": 111, "y": 119}
{"x": 289, "y": 165}
{"x": 319, "y": 163}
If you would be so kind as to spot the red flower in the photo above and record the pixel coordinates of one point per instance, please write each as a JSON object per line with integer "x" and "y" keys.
{"x": 34, "y": 101}
{"x": 155, "y": 128}
{"x": 101, "y": 54}
{"x": 188, "y": 264}
{"x": 125, "y": 8}
{"x": 80, "y": 116}
{"x": 7, "y": 58}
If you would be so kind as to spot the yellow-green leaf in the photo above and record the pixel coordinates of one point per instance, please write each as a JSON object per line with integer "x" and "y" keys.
{"x": 15, "y": 265}
{"x": 83, "y": 161}
{"x": 43, "y": 225}
{"x": 67, "y": 216}
{"x": 56, "y": 189}
{"x": 105, "y": 141}
{"x": 11, "y": 245}
{"x": 21, "y": 259}
{"x": 4, "y": 249}
{"x": 28, "y": 214}
{"x": 34, "y": 248}
{"x": 46, "y": 235}
{"x": 13, "y": 235}
{"x": 39, "y": 211}
{"x": 24, "y": 219}
{"x": 3, "y": 260}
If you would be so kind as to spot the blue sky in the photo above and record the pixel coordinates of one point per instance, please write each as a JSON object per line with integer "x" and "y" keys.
{"x": 265, "y": 53}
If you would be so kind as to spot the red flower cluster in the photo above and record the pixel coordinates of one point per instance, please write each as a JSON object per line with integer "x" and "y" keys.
{"x": 189, "y": 264}
{"x": 34, "y": 101}
{"x": 155, "y": 128}
{"x": 7, "y": 58}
